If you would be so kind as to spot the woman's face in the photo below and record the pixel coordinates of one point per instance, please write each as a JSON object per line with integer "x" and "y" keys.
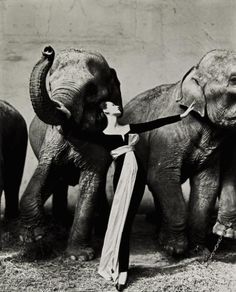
{"x": 112, "y": 109}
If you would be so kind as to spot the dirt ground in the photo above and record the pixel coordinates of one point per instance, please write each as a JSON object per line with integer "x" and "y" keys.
{"x": 150, "y": 269}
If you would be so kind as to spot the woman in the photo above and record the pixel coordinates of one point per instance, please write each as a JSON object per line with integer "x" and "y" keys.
{"x": 120, "y": 141}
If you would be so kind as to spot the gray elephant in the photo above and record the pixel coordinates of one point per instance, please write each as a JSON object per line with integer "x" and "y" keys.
{"x": 13, "y": 144}
{"x": 79, "y": 81}
{"x": 189, "y": 149}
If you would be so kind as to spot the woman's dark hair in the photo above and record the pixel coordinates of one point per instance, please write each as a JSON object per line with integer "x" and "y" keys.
{"x": 103, "y": 104}
{"x": 101, "y": 117}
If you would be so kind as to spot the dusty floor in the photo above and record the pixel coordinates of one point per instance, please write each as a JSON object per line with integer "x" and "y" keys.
{"x": 150, "y": 270}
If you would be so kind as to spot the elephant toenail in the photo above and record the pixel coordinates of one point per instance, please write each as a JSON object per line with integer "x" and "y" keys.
{"x": 82, "y": 258}
{"x": 229, "y": 233}
{"x": 39, "y": 237}
{"x": 73, "y": 258}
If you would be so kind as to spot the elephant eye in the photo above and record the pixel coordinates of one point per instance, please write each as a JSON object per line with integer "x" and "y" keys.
{"x": 233, "y": 79}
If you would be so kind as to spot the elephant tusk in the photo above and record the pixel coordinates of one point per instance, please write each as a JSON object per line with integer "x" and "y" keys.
{"x": 63, "y": 109}
{"x": 231, "y": 90}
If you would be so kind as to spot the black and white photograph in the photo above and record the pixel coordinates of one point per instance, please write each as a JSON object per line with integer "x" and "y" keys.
{"x": 118, "y": 145}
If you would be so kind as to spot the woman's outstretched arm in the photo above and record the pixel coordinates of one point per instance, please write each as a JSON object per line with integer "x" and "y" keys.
{"x": 148, "y": 126}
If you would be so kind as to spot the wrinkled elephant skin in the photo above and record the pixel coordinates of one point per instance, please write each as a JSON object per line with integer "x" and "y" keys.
{"x": 189, "y": 149}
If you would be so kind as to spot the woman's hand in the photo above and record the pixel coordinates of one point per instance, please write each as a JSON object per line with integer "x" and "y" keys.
{"x": 188, "y": 110}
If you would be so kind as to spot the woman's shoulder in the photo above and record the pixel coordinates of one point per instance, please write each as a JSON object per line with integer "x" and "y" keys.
{"x": 120, "y": 130}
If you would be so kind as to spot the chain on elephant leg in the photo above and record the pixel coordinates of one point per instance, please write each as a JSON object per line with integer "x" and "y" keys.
{"x": 210, "y": 257}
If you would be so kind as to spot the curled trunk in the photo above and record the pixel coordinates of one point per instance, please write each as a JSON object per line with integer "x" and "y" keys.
{"x": 45, "y": 108}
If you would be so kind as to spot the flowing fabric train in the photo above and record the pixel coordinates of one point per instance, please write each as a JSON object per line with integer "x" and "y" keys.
{"x": 109, "y": 265}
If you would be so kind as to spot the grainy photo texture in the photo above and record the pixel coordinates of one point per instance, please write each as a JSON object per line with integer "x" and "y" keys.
{"x": 118, "y": 145}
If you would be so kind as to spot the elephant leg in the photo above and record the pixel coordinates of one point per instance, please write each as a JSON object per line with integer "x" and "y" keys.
{"x": 60, "y": 203}
{"x": 226, "y": 219}
{"x": 205, "y": 187}
{"x": 32, "y": 201}
{"x": 166, "y": 188}
{"x": 78, "y": 244}
{"x": 13, "y": 172}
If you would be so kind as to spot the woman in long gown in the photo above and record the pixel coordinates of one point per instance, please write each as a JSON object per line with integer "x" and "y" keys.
{"x": 120, "y": 140}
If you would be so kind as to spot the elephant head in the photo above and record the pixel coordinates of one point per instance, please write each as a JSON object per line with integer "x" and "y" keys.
{"x": 212, "y": 85}
{"x": 79, "y": 81}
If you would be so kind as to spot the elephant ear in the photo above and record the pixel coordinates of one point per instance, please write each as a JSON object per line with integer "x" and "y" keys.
{"x": 191, "y": 90}
{"x": 114, "y": 76}
{"x": 115, "y": 85}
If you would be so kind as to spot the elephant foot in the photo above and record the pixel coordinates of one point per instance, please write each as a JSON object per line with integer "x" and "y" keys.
{"x": 36, "y": 245}
{"x": 225, "y": 229}
{"x": 199, "y": 250}
{"x": 41, "y": 249}
{"x": 81, "y": 253}
{"x": 30, "y": 235}
{"x": 174, "y": 245}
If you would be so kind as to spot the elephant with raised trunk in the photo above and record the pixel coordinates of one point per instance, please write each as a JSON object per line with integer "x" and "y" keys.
{"x": 189, "y": 149}
{"x": 13, "y": 144}
{"x": 79, "y": 81}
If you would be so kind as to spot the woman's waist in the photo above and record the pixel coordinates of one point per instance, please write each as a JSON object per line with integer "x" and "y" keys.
{"x": 122, "y": 150}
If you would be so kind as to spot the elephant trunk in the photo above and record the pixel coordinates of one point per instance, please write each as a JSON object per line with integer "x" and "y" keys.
{"x": 45, "y": 108}
{"x": 70, "y": 95}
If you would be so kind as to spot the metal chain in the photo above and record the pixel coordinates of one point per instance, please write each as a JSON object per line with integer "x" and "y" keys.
{"x": 212, "y": 254}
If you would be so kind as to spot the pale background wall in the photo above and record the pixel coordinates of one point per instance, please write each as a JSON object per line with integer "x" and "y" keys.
{"x": 149, "y": 42}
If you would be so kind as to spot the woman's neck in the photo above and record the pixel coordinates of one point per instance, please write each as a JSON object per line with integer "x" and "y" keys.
{"x": 112, "y": 122}
{"x": 113, "y": 127}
